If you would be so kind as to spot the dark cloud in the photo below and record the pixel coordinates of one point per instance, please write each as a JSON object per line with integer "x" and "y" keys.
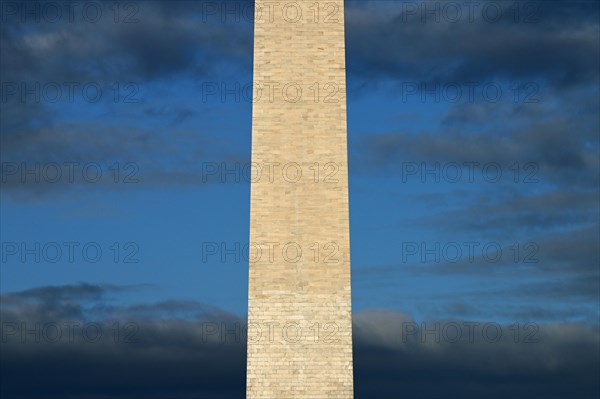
{"x": 546, "y": 155}
{"x": 512, "y": 213}
{"x": 122, "y": 157}
{"x": 159, "y": 356}
{"x": 156, "y": 354}
{"x": 552, "y": 140}
{"x": 151, "y": 40}
{"x": 153, "y": 48}
{"x": 50, "y": 303}
{"x": 419, "y": 367}
{"x": 556, "y": 152}
{"x": 552, "y": 41}
{"x": 551, "y": 274}
{"x": 81, "y": 291}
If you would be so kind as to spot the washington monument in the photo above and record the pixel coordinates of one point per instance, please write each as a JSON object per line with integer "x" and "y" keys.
{"x": 299, "y": 304}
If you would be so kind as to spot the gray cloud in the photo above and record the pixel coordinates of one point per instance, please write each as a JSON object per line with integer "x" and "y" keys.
{"x": 559, "y": 153}
{"x": 171, "y": 357}
{"x": 160, "y": 40}
{"x": 165, "y": 41}
{"x": 551, "y": 274}
{"x": 393, "y": 40}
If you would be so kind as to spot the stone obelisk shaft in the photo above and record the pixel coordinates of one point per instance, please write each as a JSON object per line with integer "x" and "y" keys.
{"x": 299, "y": 322}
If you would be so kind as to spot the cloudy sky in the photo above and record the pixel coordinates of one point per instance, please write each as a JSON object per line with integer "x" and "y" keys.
{"x": 474, "y": 185}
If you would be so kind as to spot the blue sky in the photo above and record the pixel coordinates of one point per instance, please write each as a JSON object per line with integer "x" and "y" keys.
{"x": 164, "y": 130}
